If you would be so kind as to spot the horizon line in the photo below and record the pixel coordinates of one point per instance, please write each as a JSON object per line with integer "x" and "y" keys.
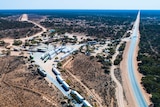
{"x": 84, "y": 9}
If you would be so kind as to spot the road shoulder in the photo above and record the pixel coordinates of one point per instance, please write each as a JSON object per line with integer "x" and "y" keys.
{"x": 125, "y": 79}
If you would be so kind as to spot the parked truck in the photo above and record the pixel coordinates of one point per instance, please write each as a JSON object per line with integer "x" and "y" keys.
{"x": 55, "y": 71}
{"x": 41, "y": 72}
{"x": 76, "y": 96}
{"x": 86, "y": 104}
{"x": 59, "y": 79}
{"x": 65, "y": 86}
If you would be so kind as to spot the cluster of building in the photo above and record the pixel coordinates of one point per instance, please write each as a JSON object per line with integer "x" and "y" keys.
{"x": 51, "y": 54}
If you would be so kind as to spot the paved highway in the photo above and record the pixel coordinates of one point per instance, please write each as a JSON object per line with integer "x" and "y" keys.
{"x": 136, "y": 89}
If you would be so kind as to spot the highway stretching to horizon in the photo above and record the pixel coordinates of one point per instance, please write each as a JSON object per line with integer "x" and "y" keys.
{"x": 130, "y": 66}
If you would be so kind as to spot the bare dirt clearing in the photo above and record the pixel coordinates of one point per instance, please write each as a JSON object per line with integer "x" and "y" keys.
{"x": 21, "y": 87}
{"x": 89, "y": 72}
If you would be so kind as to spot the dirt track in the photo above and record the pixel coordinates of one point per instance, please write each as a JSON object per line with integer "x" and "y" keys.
{"x": 88, "y": 78}
{"x": 90, "y": 93}
{"x": 9, "y": 40}
{"x": 119, "y": 89}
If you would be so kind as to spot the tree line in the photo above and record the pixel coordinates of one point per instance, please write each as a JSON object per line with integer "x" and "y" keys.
{"x": 149, "y": 55}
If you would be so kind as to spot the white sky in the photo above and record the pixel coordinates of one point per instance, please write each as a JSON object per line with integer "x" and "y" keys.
{"x": 80, "y": 4}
